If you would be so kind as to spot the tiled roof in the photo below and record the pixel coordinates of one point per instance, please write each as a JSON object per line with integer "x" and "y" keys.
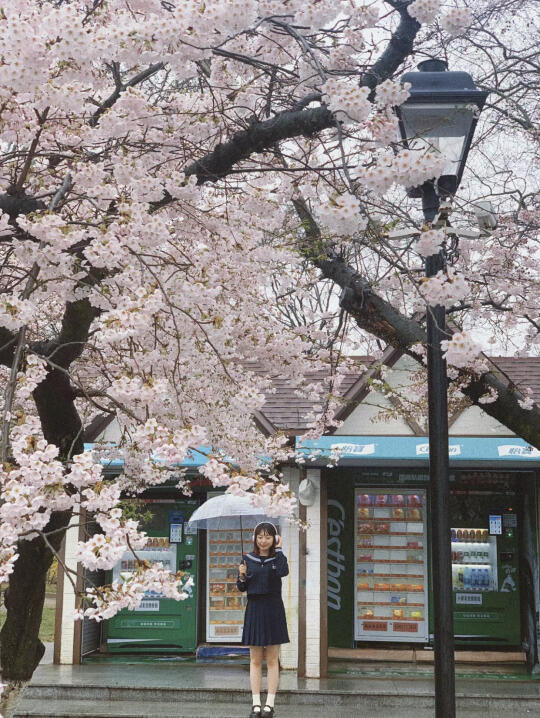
{"x": 524, "y": 372}
{"x": 287, "y": 412}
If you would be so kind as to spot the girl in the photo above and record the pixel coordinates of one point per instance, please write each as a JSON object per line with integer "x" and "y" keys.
{"x": 265, "y": 625}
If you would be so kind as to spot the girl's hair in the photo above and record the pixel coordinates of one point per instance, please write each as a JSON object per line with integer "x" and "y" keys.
{"x": 269, "y": 529}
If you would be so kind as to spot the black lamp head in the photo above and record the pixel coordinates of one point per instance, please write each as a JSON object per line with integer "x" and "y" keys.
{"x": 441, "y": 113}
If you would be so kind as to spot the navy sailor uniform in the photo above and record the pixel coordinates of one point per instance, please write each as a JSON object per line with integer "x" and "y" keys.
{"x": 265, "y": 623}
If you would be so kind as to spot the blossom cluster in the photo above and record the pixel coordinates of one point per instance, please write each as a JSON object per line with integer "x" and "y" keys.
{"x": 103, "y": 551}
{"x": 346, "y": 99}
{"x": 383, "y": 126}
{"x": 429, "y": 242}
{"x": 164, "y": 445}
{"x": 390, "y": 93}
{"x": 15, "y": 311}
{"x": 104, "y": 603}
{"x": 31, "y": 488}
{"x": 407, "y": 168}
{"x": 528, "y": 401}
{"x": 424, "y": 11}
{"x": 456, "y": 20}
{"x": 34, "y": 374}
{"x": 461, "y": 350}
{"x": 340, "y": 214}
{"x": 445, "y": 288}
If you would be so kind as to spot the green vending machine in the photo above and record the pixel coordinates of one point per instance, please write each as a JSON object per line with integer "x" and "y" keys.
{"x": 485, "y": 569}
{"x": 160, "y": 624}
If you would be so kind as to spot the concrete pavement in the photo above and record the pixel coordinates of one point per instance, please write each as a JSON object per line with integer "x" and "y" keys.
{"x": 206, "y": 691}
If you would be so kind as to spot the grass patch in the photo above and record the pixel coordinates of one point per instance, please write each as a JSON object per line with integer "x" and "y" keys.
{"x": 46, "y": 631}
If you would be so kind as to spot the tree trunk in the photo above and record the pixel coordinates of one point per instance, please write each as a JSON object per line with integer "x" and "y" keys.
{"x": 21, "y": 649}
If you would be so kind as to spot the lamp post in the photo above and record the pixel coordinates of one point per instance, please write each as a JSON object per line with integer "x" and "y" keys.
{"x": 441, "y": 114}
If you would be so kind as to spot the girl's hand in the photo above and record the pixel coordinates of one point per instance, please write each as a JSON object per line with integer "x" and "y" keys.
{"x": 242, "y": 570}
{"x": 279, "y": 542}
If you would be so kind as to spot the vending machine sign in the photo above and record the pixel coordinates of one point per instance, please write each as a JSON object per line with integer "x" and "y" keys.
{"x": 495, "y": 524}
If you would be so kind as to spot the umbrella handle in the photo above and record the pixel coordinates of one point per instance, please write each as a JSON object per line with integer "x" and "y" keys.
{"x": 241, "y": 535}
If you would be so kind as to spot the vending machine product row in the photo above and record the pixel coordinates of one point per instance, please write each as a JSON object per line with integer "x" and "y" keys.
{"x": 391, "y": 566}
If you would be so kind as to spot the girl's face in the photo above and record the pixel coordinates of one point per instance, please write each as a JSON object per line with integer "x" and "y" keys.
{"x": 264, "y": 541}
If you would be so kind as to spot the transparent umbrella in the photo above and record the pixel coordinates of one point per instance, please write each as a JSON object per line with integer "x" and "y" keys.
{"x": 227, "y": 512}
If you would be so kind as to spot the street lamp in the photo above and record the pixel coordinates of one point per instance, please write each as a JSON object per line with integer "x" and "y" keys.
{"x": 440, "y": 114}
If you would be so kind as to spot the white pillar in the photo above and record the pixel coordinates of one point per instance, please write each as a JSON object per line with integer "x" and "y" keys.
{"x": 290, "y": 584}
{"x": 313, "y": 580}
{"x": 67, "y": 635}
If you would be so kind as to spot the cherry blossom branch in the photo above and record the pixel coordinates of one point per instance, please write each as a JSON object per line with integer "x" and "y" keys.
{"x": 122, "y": 87}
{"x": 21, "y": 339}
{"x": 67, "y": 571}
{"x": 17, "y": 188}
{"x": 380, "y": 318}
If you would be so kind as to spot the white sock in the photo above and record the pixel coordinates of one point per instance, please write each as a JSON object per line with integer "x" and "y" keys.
{"x": 270, "y": 698}
{"x": 256, "y": 697}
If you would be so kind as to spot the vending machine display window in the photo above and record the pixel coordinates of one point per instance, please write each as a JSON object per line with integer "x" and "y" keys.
{"x": 157, "y": 550}
{"x": 225, "y": 603}
{"x": 474, "y": 560}
{"x": 391, "y": 567}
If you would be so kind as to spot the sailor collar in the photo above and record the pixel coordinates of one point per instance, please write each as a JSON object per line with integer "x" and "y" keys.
{"x": 259, "y": 559}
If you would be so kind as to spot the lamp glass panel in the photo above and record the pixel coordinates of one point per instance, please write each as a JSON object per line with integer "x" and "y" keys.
{"x": 444, "y": 127}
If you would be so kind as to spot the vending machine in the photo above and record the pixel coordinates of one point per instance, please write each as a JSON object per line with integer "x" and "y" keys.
{"x": 485, "y": 569}
{"x": 391, "y": 566}
{"x": 225, "y": 605}
{"x": 160, "y": 624}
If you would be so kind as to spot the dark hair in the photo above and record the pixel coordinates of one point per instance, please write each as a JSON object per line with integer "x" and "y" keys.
{"x": 270, "y": 529}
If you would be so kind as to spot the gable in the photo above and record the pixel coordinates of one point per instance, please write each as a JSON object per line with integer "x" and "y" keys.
{"x": 362, "y": 420}
{"x": 475, "y": 422}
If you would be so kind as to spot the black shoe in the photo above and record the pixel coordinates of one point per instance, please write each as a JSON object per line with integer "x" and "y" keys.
{"x": 254, "y": 713}
{"x": 268, "y": 712}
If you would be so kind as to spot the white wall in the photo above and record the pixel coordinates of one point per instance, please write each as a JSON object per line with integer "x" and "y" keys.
{"x": 112, "y": 432}
{"x": 290, "y": 584}
{"x": 475, "y": 422}
{"x": 313, "y": 580}
{"x": 362, "y": 421}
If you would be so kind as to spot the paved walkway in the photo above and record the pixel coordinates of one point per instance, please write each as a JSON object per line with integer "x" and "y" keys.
{"x": 132, "y": 709}
{"x": 205, "y": 691}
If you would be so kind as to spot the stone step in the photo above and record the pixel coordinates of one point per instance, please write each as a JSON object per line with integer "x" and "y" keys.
{"x": 374, "y": 696}
{"x": 34, "y": 708}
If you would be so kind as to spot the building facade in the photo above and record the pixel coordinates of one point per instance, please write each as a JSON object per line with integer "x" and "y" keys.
{"x": 360, "y": 579}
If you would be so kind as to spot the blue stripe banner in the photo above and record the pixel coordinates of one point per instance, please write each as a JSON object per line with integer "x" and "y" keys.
{"x": 460, "y": 448}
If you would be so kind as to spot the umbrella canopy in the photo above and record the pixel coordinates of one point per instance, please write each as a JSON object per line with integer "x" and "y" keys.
{"x": 224, "y": 512}
{"x": 227, "y": 512}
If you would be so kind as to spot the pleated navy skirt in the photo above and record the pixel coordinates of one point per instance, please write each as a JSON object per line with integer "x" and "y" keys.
{"x": 265, "y": 623}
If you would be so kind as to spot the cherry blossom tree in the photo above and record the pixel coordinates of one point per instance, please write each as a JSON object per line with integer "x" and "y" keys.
{"x": 176, "y": 178}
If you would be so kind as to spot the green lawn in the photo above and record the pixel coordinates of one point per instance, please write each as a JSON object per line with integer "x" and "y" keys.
{"x": 46, "y": 632}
